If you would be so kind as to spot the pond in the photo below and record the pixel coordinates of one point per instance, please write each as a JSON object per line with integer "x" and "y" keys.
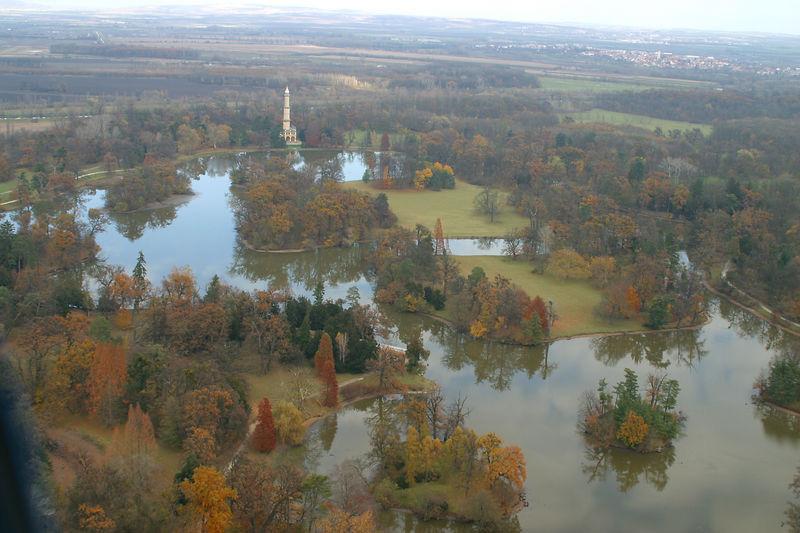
{"x": 729, "y": 472}
{"x": 352, "y": 164}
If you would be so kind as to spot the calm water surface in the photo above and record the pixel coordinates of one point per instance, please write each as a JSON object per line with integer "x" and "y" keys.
{"x": 729, "y": 472}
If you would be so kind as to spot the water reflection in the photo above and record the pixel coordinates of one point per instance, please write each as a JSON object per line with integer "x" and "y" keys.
{"x": 683, "y": 348}
{"x": 492, "y": 362}
{"x": 628, "y": 468}
{"x": 779, "y": 425}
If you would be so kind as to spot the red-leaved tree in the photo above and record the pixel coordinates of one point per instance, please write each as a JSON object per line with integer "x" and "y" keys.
{"x": 331, "y": 384}
{"x": 264, "y": 434}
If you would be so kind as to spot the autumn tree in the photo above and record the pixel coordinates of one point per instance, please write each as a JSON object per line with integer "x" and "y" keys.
{"x": 338, "y": 521}
{"x": 264, "y": 433}
{"x": 633, "y": 430}
{"x": 331, "y": 398}
{"x": 634, "y": 302}
{"x": 601, "y": 270}
{"x": 268, "y": 497}
{"x": 289, "y": 427}
{"x": 38, "y": 344}
{"x": 487, "y": 202}
{"x": 269, "y": 331}
{"x": 106, "y": 382}
{"x": 67, "y": 383}
{"x": 387, "y": 365}
{"x": 137, "y": 436}
{"x": 201, "y": 444}
{"x": 568, "y": 264}
{"x": 94, "y": 518}
{"x": 209, "y": 499}
{"x": 324, "y": 353}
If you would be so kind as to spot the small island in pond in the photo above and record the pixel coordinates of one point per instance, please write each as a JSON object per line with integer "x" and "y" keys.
{"x": 624, "y": 418}
{"x": 428, "y": 462}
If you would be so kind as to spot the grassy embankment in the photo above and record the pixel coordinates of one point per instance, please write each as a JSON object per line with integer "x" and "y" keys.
{"x": 639, "y": 121}
{"x": 453, "y": 206}
{"x": 574, "y": 301}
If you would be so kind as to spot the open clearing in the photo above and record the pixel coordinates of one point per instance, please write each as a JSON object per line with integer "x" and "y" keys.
{"x": 574, "y": 301}
{"x": 640, "y": 121}
{"x": 453, "y": 206}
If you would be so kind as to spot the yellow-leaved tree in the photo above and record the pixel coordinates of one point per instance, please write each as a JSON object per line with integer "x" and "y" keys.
{"x": 209, "y": 498}
{"x": 633, "y": 430}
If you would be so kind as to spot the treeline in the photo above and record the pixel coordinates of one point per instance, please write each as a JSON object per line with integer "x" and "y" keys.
{"x": 110, "y": 50}
{"x": 461, "y": 77}
{"x": 703, "y": 105}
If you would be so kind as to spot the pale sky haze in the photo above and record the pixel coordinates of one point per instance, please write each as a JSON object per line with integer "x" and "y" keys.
{"x": 774, "y": 16}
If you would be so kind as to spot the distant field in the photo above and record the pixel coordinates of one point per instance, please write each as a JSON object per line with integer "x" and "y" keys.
{"x": 454, "y": 207}
{"x": 13, "y": 126}
{"x": 588, "y": 85}
{"x": 640, "y": 121}
{"x": 574, "y": 301}
{"x": 603, "y": 84}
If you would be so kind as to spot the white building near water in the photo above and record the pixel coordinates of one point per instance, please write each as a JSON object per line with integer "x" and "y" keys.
{"x": 289, "y": 132}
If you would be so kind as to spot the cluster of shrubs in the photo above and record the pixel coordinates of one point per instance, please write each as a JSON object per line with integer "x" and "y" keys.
{"x": 625, "y": 418}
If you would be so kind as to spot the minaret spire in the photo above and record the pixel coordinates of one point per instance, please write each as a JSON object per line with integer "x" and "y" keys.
{"x": 288, "y": 133}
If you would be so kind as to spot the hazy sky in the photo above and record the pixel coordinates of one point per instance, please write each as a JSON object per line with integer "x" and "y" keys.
{"x": 779, "y": 16}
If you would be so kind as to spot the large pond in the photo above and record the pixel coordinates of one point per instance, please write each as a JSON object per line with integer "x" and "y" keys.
{"x": 729, "y": 472}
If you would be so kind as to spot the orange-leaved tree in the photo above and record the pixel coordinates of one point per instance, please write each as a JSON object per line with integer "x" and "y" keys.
{"x": 137, "y": 436}
{"x": 209, "y": 498}
{"x": 331, "y": 384}
{"x": 324, "y": 353}
{"x": 106, "y": 382}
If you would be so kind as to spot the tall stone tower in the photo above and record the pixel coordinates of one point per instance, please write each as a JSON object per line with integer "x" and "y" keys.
{"x": 289, "y": 132}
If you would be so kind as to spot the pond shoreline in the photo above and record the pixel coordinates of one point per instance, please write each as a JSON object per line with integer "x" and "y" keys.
{"x": 589, "y": 335}
{"x": 172, "y": 200}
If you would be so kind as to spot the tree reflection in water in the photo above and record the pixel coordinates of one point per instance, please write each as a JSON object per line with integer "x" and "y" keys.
{"x": 746, "y": 324}
{"x": 682, "y": 348}
{"x": 493, "y": 362}
{"x": 629, "y": 467}
{"x": 132, "y": 225}
{"x": 778, "y": 424}
{"x": 306, "y": 269}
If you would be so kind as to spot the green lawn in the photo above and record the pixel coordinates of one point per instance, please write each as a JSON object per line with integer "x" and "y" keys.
{"x": 453, "y": 206}
{"x": 358, "y": 138}
{"x": 574, "y": 301}
{"x": 640, "y": 121}
{"x": 276, "y": 383}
